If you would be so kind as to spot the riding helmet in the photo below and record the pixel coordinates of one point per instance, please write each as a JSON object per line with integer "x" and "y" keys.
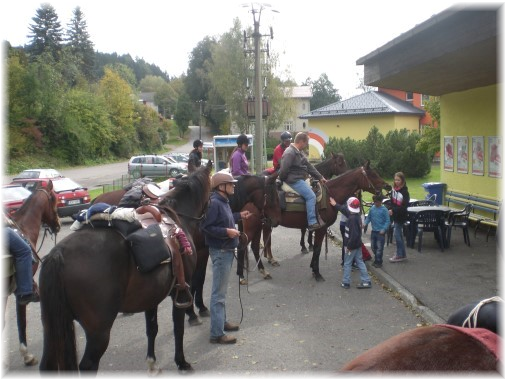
{"x": 197, "y": 144}
{"x": 221, "y": 177}
{"x": 242, "y": 139}
{"x": 285, "y": 136}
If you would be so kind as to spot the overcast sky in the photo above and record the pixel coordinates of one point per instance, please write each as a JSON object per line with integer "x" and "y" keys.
{"x": 311, "y": 38}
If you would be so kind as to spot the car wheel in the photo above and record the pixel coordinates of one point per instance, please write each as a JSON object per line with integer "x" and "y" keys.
{"x": 174, "y": 172}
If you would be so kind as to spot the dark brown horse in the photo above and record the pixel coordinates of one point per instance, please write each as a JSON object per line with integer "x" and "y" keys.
{"x": 437, "y": 348}
{"x": 90, "y": 276}
{"x": 340, "y": 188}
{"x": 40, "y": 207}
{"x": 261, "y": 192}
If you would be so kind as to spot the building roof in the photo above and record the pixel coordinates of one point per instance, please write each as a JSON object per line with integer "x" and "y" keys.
{"x": 300, "y": 92}
{"x": 455, "y": 50}
{"x": 369, "y": 103}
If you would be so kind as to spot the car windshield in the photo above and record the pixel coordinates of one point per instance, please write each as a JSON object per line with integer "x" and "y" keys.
{"x": 65, "y": 184}
{"x": 15, "y": 193}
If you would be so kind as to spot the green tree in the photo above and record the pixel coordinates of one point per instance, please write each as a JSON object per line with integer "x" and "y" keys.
{"x": 80, "y": 44}
{"x": 46, "y": 33}
{"x": 183, "y": 113}
{"x": 323, "y": 91}
{"x": 197, "y": 81}
{"x": 147, "y": 125}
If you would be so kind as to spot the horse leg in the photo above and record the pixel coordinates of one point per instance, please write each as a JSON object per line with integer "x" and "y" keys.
{"x": 310, "y": 241}
{"x": 256, "y": 242}
{"x": 196, "y": 288}
{"x": 266, "y": 238}
{"x": 315, "y": 261}
{"x": 179, "y": 330}
{"x": 96, "y": 345}
{"x": 151, "y": 319}
{"x": 3, "y": 307}
{"x": 28, "y": 358}
{"x": 241, "y": 254}
{"x": 304, "y": 250}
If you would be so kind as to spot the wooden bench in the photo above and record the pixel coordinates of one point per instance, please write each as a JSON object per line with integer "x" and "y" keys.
{"x": 485, "y": 210}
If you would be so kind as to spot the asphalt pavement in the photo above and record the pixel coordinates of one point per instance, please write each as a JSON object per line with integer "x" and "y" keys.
{"x": 437, "y": 283}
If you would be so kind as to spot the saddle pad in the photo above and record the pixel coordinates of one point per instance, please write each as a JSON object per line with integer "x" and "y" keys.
{"x": 299, "y": 205}
{"x": 489, "y": 339}
{"x": 148, "y": 248}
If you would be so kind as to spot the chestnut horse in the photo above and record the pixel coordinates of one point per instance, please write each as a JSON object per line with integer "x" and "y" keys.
{"x": 91, "y": 276}
{"x": 340, "y": 188}
{"x": 468, "y": 343}
{"x": 40, "y": 207}
{"x": 333, "y": 166}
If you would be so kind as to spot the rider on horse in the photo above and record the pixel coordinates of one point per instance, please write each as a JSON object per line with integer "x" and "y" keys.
{"x": 278, "y": 152}
{"x": 22, "y": 254}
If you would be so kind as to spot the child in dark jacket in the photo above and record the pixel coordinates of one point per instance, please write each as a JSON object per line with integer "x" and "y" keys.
{"x": 352, "y": 242}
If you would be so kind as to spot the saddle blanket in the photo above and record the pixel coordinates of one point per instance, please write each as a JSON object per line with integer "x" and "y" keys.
{"x": 488, "y": 338}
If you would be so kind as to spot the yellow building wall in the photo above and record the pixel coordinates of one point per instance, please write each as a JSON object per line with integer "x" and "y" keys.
{"x": 356, "y": 128}
{"x": 471, "y": 113}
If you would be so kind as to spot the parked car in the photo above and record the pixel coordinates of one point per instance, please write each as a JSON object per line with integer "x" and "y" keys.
{"x": 183, "y": 165}
{"x": 38, "y": 173}
{"x": 152, "y": 165}
{"x": 178, "y": 156}
{"x": 72, "y": 197}
{"x": 13, "y": 197}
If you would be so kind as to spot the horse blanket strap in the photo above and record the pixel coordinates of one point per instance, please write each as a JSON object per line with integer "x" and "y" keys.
{"x": 489, "y": 339}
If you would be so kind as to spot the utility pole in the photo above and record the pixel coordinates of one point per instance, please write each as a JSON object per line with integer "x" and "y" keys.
{"x": 200, "y": 118}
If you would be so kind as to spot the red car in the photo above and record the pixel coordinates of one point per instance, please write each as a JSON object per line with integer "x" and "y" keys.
{"x": 72, "y": 197}
{"x": 13, "y": 197}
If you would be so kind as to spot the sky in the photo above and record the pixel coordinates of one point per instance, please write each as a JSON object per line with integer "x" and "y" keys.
{"x": 310, "y": 38}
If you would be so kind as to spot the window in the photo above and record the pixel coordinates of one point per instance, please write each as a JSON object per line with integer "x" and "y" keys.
{"x": 288, "y": 125}
{"x": 410, "y": 96}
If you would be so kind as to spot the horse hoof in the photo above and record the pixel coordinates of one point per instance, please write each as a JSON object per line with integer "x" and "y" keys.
{"x": 318, "y": 277}
{"x": 204, "y": 312}
{"x": 243, "y": 281}
{"x": 274, "y": 263}
{"x": 185, "y": 367}
{"x": 153, "y": 369}
{"x": 186, "y": 370}
{"x": 30, "y": 360}
{"x": 194, "y": 321}
{"x": 265, "y": 274}
{"x": 304, "y": 251}
{"x": 310, "y": 248}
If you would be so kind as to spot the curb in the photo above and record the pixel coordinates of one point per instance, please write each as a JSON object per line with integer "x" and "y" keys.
{"x": 426, "y": 313}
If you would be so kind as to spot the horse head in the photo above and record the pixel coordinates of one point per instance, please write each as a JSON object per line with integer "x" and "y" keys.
{"x": 50, "y": 213}
{"x": 338, "y": 164}
{"x": 374, "y": 182}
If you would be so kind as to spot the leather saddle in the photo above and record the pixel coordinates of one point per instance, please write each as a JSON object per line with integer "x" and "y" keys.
{"x": 291, "y": 200}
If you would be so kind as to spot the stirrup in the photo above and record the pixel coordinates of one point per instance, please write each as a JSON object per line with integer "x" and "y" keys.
{"x": 184, "y": 305}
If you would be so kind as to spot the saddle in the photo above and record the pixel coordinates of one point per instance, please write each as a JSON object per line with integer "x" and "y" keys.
{"x": 291, "y": 200}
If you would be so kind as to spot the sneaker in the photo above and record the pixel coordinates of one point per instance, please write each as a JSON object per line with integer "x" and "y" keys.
{"x": 345, "y": 286}
{"x": 313, "y": 227}
{"x": 397, "y": 259}
{"x": 364, "y": 285}
{"x": 231, "y": 326}
{"x": 377, "y": 265}
{"x": 27, "y": 298}
{"x": 224, "y": 339}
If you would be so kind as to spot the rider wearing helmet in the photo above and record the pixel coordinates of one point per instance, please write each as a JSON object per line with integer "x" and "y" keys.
{"x": 195, "y": 156}
{"x": 286, "y": 139}
{"x": 222, "y": 238}
{"x": 238, "y": 163}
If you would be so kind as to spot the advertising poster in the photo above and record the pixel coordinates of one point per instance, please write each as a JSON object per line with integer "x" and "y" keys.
{"x": 448, "y": 154}
{"x": 494, "y": 156}
{"x": 478, "y": 155}
{"x": 462, "y": 156}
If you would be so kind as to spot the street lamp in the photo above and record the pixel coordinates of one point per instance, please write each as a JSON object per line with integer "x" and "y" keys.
{"x": 256, "y": 9}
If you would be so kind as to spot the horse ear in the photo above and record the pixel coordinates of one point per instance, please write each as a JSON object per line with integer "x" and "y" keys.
{"x": 334, "y": 155}
{"x": 367, "y": 164}
{"x": 50, "y": 185}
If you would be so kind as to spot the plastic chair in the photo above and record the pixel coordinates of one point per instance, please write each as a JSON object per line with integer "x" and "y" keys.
{"x": 430, "y": 221}
{"x": 459, "y": 219}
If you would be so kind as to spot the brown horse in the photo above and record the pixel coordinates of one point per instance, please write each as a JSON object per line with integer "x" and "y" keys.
{"x": 90, "y": 276}
{"x": 333, "y": 166}
{"x": 340, "y": 188}
{"x": 40, "y": 207}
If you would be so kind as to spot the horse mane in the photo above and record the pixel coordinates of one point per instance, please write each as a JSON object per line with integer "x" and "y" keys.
{"x": 325, "y": 167}
{"x": 240, "y": 197}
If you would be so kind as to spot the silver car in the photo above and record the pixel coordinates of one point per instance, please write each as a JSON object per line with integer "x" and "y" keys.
{"x": 153, "y": 166}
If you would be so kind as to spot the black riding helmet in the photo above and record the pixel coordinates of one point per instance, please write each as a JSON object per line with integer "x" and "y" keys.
{"x": 197, "y": 143}
{"x": 242, "y": 139}
{"x": 285, "y": 136}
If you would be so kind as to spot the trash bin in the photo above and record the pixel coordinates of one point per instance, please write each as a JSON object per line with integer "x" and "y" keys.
{"x": 435, "y": 188}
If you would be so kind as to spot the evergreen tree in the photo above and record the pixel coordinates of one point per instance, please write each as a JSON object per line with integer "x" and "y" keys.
{"x": 80, "y": 44}
{"x": 323, "y": 91}
{"x": 46, "y": 33}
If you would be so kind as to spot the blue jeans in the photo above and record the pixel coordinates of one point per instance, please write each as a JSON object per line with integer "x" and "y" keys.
{"x": 221, "y": 260}
{"x": 377, "y": 245}
{"x": 22, "y": 254}
{"x": 309, "y": 196}
{"x": 356, "y": 255}
{"x": 400, "y": 243}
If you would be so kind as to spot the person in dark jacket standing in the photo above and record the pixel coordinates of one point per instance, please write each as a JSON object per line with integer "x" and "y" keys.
{"x": 221, "y": 237}
{"x": 195, "y": 156}
{"x": 398, "y": 210}
{"x": 294, "y": 169}
{"x": 353, "y": 242}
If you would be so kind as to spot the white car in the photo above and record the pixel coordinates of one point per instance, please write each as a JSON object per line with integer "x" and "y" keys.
{"x": 38, "y": 173}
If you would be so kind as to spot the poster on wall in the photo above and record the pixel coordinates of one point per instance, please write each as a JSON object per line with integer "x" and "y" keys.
{"x": 448, "y": 154}
{"x": 478, "y": 155}
{"x": 494, "y": 157}
{"x": 462, "y": 155}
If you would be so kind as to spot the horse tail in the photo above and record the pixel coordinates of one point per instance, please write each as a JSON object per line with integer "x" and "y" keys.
{"x": 59, "y": 349}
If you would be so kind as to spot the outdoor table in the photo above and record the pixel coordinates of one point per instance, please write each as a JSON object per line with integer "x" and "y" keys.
{"x": 412, "y": 227}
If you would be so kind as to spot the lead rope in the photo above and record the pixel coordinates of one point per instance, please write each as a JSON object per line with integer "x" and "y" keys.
{"x": 471, "y": 321}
